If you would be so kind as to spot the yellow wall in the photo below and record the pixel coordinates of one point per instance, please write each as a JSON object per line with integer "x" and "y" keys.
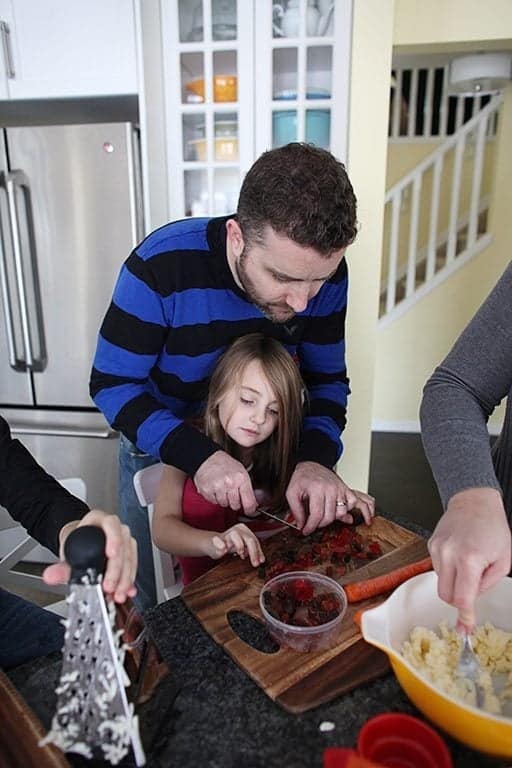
{"x": 403, "y": 156}
{"x": 385, "y": 380}
{"x": 371, "y": 65}
{"x": 425, "y": 22}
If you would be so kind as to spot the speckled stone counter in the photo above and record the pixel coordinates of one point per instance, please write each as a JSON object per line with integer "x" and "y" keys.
{"x": 222, "y": 719}
{"x": 210, "y": 713}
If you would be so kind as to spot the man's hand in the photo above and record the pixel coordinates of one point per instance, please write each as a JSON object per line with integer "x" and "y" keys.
{"x": 470, "y": 548}
{"x": 225, "y": 481}
{"x": 120, "y": 550}
{"x": 320, "y": 495}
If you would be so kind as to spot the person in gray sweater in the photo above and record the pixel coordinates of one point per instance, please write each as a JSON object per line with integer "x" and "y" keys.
{"x": 471, "y": 544}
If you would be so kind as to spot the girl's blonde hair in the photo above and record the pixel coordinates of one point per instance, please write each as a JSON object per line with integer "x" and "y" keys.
{"x": 274, "y": 459}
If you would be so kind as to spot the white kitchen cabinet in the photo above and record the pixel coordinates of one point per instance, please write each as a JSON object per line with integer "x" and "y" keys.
{"x": 67, "y": 48}
{"x": 242, "y": 76}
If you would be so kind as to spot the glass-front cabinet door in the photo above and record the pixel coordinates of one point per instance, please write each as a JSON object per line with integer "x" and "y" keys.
{"x": 303, "y": 52}
{"x": 242, "y": 76}
{"x": 208, "y": 79}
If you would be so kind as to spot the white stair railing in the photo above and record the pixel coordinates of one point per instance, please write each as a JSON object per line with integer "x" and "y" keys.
{"x": 416, "y": 212}
{"x": 423, "y": 109}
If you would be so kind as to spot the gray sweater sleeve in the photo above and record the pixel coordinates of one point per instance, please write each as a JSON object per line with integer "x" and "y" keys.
{"x": 462, "y": 393}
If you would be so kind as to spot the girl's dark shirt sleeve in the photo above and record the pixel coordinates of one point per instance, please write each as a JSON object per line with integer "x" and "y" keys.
{"x": 31, "y": 495}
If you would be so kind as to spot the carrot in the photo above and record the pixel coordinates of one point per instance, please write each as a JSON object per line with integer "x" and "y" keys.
{"x": 362, "y": 590}
{"x": 358, "y": 615}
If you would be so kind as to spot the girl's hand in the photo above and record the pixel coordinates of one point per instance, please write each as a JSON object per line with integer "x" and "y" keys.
{"x": 238, "y": 540}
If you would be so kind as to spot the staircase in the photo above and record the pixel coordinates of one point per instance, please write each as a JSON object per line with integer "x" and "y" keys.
{"x": 436, "y": 216}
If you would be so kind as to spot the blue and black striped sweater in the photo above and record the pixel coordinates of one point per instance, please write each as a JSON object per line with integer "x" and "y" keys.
{"x": 175, "y": 309}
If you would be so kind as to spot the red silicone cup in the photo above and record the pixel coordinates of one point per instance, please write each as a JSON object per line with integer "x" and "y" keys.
{"x": 402, "y": 741}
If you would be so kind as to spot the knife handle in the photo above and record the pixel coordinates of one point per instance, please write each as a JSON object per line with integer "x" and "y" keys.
{"x": 84, "y": 549}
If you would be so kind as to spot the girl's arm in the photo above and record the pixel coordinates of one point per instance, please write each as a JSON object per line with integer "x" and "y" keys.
{"x": 172, "y": 534}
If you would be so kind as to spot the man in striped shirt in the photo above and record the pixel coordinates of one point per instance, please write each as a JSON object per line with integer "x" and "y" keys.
{"x": 193, "y": 286}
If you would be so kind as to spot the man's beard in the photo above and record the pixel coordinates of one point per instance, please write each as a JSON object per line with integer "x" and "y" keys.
{"x": 277, "y": 313}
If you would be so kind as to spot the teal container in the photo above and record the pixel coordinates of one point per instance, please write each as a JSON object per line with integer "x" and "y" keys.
{"x": 318, "y": 127}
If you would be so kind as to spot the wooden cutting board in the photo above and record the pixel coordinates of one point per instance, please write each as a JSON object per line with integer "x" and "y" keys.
{"x": 299, "y": 681}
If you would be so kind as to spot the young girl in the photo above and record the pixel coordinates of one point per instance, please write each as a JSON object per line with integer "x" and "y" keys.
{"x": 254, "y": 413}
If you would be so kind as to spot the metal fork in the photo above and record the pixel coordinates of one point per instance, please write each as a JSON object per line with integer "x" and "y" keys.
{"x": 468, "y": 669}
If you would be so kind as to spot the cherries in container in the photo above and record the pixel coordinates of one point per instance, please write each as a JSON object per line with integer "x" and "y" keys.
{"x": 303, "y": 610}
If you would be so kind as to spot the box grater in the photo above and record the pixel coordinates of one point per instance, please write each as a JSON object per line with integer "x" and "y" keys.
{"x": 93, "y": 716}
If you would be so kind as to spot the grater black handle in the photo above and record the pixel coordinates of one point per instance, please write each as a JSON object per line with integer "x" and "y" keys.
{"x": 84, "y": 549}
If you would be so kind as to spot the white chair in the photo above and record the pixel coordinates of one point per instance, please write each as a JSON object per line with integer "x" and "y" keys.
{"x": 27, "y": 545}
{"x": 167, "y": 583}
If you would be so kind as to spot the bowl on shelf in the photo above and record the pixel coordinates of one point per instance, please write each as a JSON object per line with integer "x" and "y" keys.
{"x": 226, "y": 127}
{"x": 416, "y": 603}
{"x": 311, "y": 93}
{"x": 225, "y": 87}
{"x": 318, "y": 127}
{"x": 225, "y": 149}
{"x": 303, "y": 610}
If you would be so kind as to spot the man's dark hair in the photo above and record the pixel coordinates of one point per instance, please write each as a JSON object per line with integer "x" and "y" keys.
{"x": 302, "y": 192}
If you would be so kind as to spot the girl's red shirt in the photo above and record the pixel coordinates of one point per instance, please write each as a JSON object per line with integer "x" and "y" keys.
{"x": 204, "y": 515}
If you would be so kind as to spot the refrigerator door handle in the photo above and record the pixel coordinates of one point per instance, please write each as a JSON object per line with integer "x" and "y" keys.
{"x": 15, "y": 363}
{"x": 40, "y": 429}
{"x": 7, "y": 48}
{"x": 14, "y": 180}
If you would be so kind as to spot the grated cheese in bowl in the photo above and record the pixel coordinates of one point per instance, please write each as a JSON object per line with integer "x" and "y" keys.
{"x": 435, "y": 654}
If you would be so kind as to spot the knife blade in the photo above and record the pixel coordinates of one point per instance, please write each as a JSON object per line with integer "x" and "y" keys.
{"x": 92, "y": 713}
{"x": 264, "y": 511}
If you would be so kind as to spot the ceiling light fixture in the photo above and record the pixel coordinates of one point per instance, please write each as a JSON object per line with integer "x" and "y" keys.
{"x": 480, "y": 73}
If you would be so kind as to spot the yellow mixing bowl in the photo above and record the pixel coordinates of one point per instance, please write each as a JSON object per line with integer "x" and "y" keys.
{"x": 416, "y": 603}
{"x": 225, "y": 87}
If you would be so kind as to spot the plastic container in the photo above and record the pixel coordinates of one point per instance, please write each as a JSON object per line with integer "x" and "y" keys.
{"x": 402, "y": 741}
{"x": 304, "y": 590}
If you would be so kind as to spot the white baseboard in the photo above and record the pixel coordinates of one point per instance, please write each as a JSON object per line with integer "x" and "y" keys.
{"x": 381, "y": 425}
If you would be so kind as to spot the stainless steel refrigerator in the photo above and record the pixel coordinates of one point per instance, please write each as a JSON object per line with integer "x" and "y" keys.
{"x": 70, "y": 213}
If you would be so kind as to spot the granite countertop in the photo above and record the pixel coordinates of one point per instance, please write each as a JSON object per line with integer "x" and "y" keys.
{"x": 210, "y": 713}
{"x": 223, "y": 719}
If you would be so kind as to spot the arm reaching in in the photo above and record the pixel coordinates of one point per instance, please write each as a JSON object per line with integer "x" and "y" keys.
{"x": 471, "y": 543}
{"x": 470, "y": 548}
{"x": 120, "y": 549}
{"x": 317, "y": 496}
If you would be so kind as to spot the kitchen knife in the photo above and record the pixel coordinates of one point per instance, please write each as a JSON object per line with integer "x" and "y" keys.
{"x": 92, "y": 715}
{"x": 357, "y": 517}
{"x": 264, "y": 511}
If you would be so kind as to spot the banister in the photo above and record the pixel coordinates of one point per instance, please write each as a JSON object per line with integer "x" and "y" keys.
{"x": 447, "y": 145}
